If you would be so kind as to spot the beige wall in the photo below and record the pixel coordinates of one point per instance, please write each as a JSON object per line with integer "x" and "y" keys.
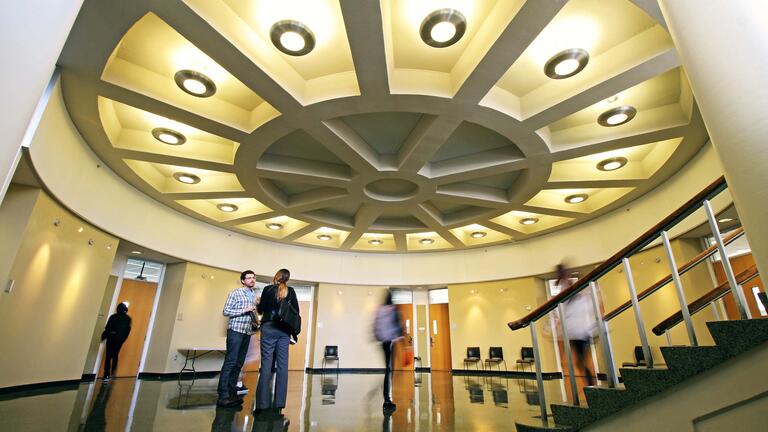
{"x": 46, "y": 322}
{"x": 165, "y": 319}
{"x": 660, "y": 305}
{"x": 344, "y": 317}
{"x": 480, "y": 319}
{"x": 14, "y": 214}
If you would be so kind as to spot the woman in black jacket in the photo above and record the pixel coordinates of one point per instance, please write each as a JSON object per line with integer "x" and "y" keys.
{"x": 116, "y": 332}
{"x": 275, "y": 338}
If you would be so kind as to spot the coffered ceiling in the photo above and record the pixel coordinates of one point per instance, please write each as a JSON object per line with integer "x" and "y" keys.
{"x": 350, "y": 125}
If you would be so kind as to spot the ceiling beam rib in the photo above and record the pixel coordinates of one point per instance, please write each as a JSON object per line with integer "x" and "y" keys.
{"x": 161, "y": 108}
{"x": 201, "y": 34}
{"x": 430, "y": 133}
{"x": 338, "y": 137}
{"x": 591, "y": 184}
{"x": 401, "y": 241}
{"x": 365, "y": 217}
{"x": 503, "y": 229}
{"x": 677, "y": 131}
{"x": 642, "y": 72}
{"x": 363, "y": 23}
{"x": 432, "y": 218}
{"x": 317, "y": 204}
{"x": 307, "y": 171}
{"x": 301, "y": 232}
{"x": 204, "y": 195}
{"x": 252, "y": 218}
{"x": 479, "y": 165}
{"x": 551, "y": 212}
{"x": 471, "y": 194}
{"x": 524, "y": 27}
{"x": 174, "y": 160}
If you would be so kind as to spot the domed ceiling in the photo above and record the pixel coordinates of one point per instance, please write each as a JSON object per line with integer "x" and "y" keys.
{"x": 383, "y": 126}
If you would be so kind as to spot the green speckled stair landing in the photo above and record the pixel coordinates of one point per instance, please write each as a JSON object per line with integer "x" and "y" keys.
{"x": 731, "y": 339}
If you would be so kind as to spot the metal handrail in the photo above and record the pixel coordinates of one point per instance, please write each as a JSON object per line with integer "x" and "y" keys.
{"x": 701, "y": 302}
{"x": 730, "y": 238}
{"x": 681, "y": 213}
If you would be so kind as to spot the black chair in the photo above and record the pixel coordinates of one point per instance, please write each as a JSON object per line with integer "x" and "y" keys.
{"x": 639, "y": 359}
{"x": 496, "y": 356}
{"x": 331, "y": 353}
{"x": 526, "y": 358}
{"x": 473, "y": 356}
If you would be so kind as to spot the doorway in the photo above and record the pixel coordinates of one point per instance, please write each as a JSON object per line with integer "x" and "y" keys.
{"x": 140, "y": 297}
{"x": 439, "y": 330}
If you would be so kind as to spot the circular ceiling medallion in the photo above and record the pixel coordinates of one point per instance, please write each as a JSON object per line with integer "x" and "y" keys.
{"x": 391, "y": 190}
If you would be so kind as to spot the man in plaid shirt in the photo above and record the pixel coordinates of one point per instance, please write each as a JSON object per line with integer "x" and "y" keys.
{"x": 240, "y": 303}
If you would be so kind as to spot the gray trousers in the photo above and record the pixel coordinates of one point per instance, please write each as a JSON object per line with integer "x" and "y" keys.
{"x": 274, "y": 345}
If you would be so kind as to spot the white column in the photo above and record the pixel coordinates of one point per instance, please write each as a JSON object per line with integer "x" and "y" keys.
{"x": 32, "y": 34}
{"x": 723, "y": 45}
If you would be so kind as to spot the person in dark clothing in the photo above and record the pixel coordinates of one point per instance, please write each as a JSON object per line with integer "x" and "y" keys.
{"x": 274, "y": 343}
{"x": 115, "y": 333}
{"x": 387, "y": 329}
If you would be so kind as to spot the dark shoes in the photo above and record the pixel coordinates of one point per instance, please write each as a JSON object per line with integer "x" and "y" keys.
{"x": 229, "y": 402}
{"x": 389, "y": 406}
{"x": 268, "y": 412}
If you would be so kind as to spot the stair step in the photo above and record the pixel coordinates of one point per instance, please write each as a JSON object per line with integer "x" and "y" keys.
{"x": 573, "y": 416}
{"x": 738, "y": 336}
{"x": 530, "y": 426}
{"x": 687, "y": 361}
{"x": 646, "y": 382}
{"x": 605, "y": 400}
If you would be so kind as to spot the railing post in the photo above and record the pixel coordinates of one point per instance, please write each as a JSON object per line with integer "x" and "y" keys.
{"x": 669, "y": 337}
{"x": 638, "y": 316}
{"x": 568, "y": 358}
{"x": 714, "y": 310}
{"x": 613, "y": 380}
{"x": 679, "y": 289}
{"x": 539, "y": 377}
{"x": 736, "y": 290}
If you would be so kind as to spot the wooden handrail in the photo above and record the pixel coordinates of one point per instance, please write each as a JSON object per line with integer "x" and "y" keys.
{"x": 679, "y": 214}
{"x": 738, "y": 232}
{"x": 701, "y": 302}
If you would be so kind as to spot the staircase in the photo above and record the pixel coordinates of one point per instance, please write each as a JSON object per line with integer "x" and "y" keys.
{"x": 683, "y": 362}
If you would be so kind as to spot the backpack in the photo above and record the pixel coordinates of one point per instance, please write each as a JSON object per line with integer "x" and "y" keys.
{"x": 385, "y": 325}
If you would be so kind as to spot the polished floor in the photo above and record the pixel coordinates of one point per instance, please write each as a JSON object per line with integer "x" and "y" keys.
{"x": 348, "y": 402}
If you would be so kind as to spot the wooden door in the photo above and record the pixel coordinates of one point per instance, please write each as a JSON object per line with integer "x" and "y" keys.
{"x": 739, "y": 264}
{"x": 405, "y": 344}
{"x": 296, "y": 353}
{"x": 440, "y": 337}
{"x": 140, "y": 296}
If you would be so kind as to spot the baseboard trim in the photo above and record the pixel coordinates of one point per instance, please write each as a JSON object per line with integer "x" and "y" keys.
{"x": 314, "y": 371}
{"x": 88, "y": 378}
{"x": 507, "y": 374}
{"x": 176, "y": 375}
{"x": 44, "y": 387}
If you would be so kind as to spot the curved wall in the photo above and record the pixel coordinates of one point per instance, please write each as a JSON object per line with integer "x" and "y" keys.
{"x": 74, "y": 175}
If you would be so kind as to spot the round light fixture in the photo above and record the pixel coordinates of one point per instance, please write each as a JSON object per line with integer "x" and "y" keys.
{"x": 478, "y": 234}
{"x": 725, "y": 220}
{"x": 292, "y": 38}
{"x": 427, "y": 241}
{"x": 135, "y": 252}
{"x": 443, "y": 28}
{"x": 168, "y": 136}
{"x": 566, "y": 63}
{"x": 376, "y": 242}
{"x": 274, "y": 226}
{"x": 617, "y": 116}
{"x": 612, "y": 164}
{"x": 577, "y": 198}
{"x": 227, "y": 208}
{"x": 529, "y": 220}
{"x": 324, "y": 237}
{"x": 186, "y": 178}
{"x": 194, "y": 83}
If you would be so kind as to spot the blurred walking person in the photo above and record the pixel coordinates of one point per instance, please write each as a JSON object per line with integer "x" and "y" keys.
{"x": 115, "y": 333}
{"x": 387, "y": 329}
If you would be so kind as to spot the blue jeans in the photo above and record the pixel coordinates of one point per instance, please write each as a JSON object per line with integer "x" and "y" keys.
{"x": 237, "y": 348}
{"x": 274, "y": 344}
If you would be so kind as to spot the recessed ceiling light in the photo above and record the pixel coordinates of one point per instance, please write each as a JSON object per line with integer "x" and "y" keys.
{"x": 426, "y": 241}
{"x": 478, "y": 234}
{"x": 226, "y": 207}
{"x": 376, "y": 242}
{"x": 194, "y": 83}
{"x": 566, "y": 63}
{"x": 617, "y": 116}
{"x": 612, "y": 164}
{"x": 292, "y": 38}
{"x": 529, "y": 220}
{"x": 443, "y": 28}
{"x": 612, "y": 99}
{"x": 576, "y": 198}
{"x": 168, "y": 136}
{"x": 186, "y": 178}
{"x": 135, "y": 252}
{"x": 324, "y": 237}
{"x": 274, "y": 226}
{"x": 80, "y": 229}
{"x": 724, "y": 220}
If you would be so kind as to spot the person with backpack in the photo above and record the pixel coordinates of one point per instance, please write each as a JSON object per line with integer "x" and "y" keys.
{"x": 115, "y": 333}
{"x": 280, "y": 321}
{"x": 387, "y": 329}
